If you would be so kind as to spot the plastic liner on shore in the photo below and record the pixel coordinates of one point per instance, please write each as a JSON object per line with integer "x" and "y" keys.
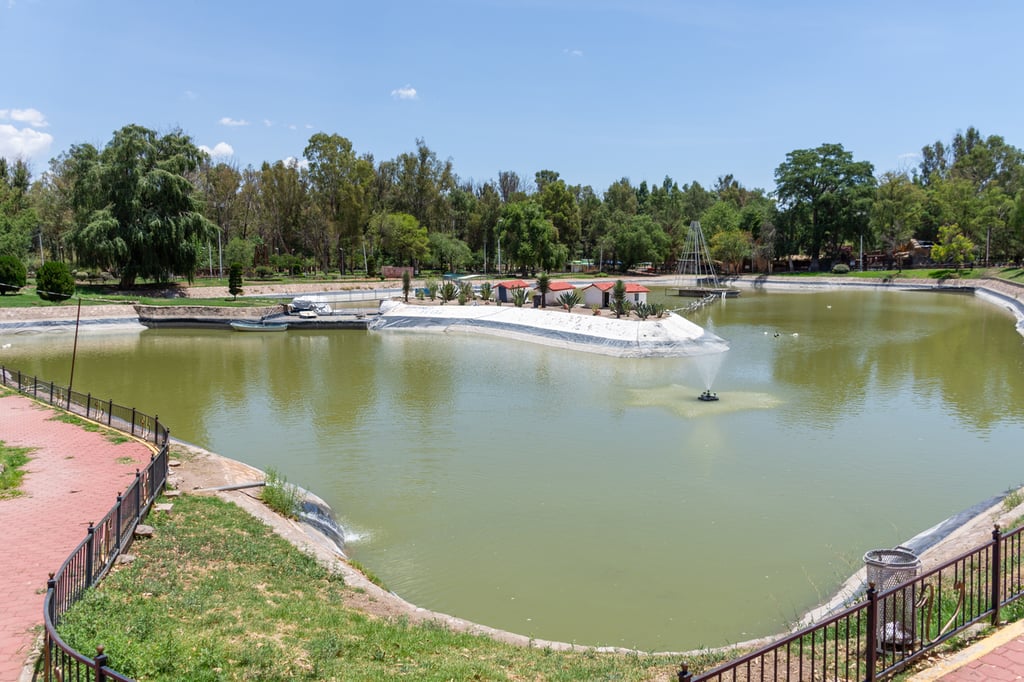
{"x": 669, "y": 336}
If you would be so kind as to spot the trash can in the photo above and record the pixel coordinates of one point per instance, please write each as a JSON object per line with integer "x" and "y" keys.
{"x": 887, "y": 568}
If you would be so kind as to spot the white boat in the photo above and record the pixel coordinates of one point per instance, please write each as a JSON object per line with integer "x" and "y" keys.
{"x": 245, "y": 326}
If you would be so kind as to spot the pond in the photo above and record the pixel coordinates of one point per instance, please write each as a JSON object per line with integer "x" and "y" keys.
{"x": 591, "y": 499}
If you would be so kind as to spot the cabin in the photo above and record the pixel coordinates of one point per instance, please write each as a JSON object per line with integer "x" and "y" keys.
{"x": 600, "y": 293}
{"x": 555, "y": 289}
{"x": 503, "y": 292}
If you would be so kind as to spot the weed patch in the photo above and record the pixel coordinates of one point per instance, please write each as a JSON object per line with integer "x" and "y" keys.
{"x": 11, "y": 473}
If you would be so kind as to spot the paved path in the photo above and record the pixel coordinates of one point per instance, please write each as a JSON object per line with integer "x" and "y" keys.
{"x": 995, "y": 658}
{"x": 73, "y": 477}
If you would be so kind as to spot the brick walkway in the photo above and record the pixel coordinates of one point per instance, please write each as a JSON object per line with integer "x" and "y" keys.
{"x": 73, "y": 477}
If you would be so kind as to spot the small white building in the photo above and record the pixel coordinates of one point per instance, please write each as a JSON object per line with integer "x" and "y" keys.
{"x": 556, "y": 289}
{"x": 504, "y": 290}
{"x": 600, "y": 293}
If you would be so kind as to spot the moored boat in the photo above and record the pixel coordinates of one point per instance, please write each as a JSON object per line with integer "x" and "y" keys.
{"x": 245, "y": 326}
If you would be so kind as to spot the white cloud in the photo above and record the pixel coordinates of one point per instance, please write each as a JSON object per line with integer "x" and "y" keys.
{"x": 408, "y": 92}
{"x": 22, "y": 143}
{"x": 267, "y": 122}
{"x": 191, "y": 95}
{"x": 231, "y": 122}
{"x": 301, "y": 164}
{"x": 573, "y": 53}
{"x": 219, "y": 151}
{"x": 292, "y": 126}
{"x": 309, "y": 126}
{"x": 33, "y": 117}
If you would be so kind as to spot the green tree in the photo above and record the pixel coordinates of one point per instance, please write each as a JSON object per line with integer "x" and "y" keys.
{"x": 639, "y": 239}
{"x": 619, "y": 304}
{"x": 543, "y": 287}
{"x": 896, "y": 211}
{"x": 406, "y": 285}
{"x": 17, "y": 217}
{"x": 340, "y": 183}
{"x": 826, "y": 193}
{"x": 559, "y": 204}
{"x": 528, "y": 239}
{"x": 241, "y": 251}
{"x": 402, "y": 235}
{"x": 449, "y": 252}
{"x": 720, "y": 217}
{"x": 731, "y": 247}
{"x": 235, "y": 279}
{"x": 953, "y": 247}
{"x": 13, "y": 275}
{"x": 54, "y": 282}
{"x": 142, "y": 217}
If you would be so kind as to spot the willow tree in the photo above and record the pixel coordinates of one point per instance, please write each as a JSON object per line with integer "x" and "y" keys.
{"x": 138, "y": 212}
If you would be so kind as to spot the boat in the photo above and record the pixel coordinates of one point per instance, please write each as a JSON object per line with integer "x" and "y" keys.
{"x": 246, "y": 326}
{"x": 696, "y": 262}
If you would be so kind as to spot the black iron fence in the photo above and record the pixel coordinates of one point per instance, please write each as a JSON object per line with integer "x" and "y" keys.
{"x": 888, "y": 630}
{"x": 104, "y": 541}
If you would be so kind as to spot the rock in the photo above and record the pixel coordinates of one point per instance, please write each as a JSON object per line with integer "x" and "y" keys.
{"x": 144, "y": 531}
{"x": 125, "y": 558}
{"x": 172, "y": 493}
{"x": 174, "y": 463}
{"x": 165, "y": 507}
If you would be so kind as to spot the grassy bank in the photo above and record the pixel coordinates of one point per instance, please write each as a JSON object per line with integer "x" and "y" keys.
{"x": 215, "y": 595}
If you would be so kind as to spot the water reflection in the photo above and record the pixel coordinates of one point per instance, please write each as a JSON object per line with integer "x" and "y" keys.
{"x": 595, "y": 499}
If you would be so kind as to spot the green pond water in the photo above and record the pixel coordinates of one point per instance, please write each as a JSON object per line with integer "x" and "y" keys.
{"x": 591, "y": 499}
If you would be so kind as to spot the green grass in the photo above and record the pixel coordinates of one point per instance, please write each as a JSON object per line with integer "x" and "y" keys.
{"x": 112, "y": 435}
{"x": 216, "y": 595}
{"x": 280, "y": 495}
{"x": 1011, "y": 274}
{"x": 11, "y": 459}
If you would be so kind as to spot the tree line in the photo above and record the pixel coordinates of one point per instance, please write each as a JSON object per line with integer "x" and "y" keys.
{"x": 152, "y": 206}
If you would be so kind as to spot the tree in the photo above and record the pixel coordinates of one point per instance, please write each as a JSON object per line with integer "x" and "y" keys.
{"x": 54, "y": 282}
{"x": 528, "y": 239}
{"x": 543, "y": 287}
{"x": 17, "y": 217}
{"x": 241, "y": 251}
{"x": 619, "y": 303}
{"x": 639, "y": 239}
{"x": 731, "y": 247}
{"x": 401, "y": 235}
{"x": 235, "y": 280}
{"x": 826, "y": 191}
{"x": 13, "y": 275}
{"x": 896, "y": 211}
{"x": 953, "y": 247}
{"x": 406, "y": 285}
{"x": 721, "y": 216}
{"x": 449, "y": 252}
{"x": 141, "y": 214}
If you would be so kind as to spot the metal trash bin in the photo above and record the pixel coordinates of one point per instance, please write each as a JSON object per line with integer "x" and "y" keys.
{"x": 887, "y": 568}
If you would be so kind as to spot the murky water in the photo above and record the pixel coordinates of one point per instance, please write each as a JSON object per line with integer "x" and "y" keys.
{"x": 592, "y": 499}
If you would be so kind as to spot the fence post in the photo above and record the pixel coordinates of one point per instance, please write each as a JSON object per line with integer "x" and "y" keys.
{"x": 997, "y": 571}
{"x": 138, "y": 496}
{"x": 684, "y": 674}
{"x": 871, "y": 657}
{"x": 117, "y": 522}
{"x": 88, "y": 404}
{"x": 133, "y": 421}
{"x": 88, "y": 554}
{"x": 51, "y": 393}
{"x": 110, "y": 411}
{"x": 101, "y": 662}
{"x": 156, "y": 429}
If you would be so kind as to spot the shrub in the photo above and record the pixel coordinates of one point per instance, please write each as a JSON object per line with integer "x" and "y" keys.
{"x": 235, "y": 279}
{"x": 485, "y": 291}
{"x": 840, "y": 269}
{"x": 570, "y": 299}
{"x": 264, "y": 271}
{"x": 12, "y": 274}
{"x": 54, "y": 282}
{"x": 280, "y": 495}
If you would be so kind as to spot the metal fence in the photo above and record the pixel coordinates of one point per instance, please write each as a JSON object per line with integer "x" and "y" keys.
{"x": 888, "y": 630}
{"x": 104, "y": 541}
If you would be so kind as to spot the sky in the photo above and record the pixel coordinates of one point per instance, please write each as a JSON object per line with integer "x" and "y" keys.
{"x": 596, "y": 90}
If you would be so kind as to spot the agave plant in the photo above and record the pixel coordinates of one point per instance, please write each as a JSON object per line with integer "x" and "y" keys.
{"x": 485, "y": 291}
{"x": 431, "y": 288}
{"x": 466, "y": 293}
{"x": 570, "y": 299}
{"x": 447, "y": 292}
{"x": 519, "y": 297}
{"x": 643, "y": 310}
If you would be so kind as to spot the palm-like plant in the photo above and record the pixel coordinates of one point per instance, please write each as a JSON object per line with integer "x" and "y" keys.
{"x": 543, "y": 286}
{"x": 619, "y": 304}
{"x": 485, "y": 291}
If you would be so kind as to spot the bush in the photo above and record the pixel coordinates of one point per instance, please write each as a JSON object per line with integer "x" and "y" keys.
{"x": 264, "y": 271}
{"x": 235, "y": 279}
{"x": 840, "y": 269}
{"x": 54, "y": 282}
{"x": 12, "y": 274}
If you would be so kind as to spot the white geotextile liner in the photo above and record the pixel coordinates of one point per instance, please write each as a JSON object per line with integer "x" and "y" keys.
{"x": 669, "y": 336}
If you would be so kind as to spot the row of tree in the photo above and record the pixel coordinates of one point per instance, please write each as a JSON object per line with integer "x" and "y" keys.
{"x": 155, "y": 206}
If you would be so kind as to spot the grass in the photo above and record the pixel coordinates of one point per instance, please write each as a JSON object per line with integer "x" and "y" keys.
{"x": 280, "y": 495}
{"x": 11, "y": 473}
{"x": 216, "y": 595}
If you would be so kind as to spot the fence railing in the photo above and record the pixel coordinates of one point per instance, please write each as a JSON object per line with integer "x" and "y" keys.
{"x": 104, "y": 541}
{"x": 890, "y": 629}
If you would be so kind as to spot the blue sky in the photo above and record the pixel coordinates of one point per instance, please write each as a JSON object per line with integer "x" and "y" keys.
{"x": 593, "y": 89}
